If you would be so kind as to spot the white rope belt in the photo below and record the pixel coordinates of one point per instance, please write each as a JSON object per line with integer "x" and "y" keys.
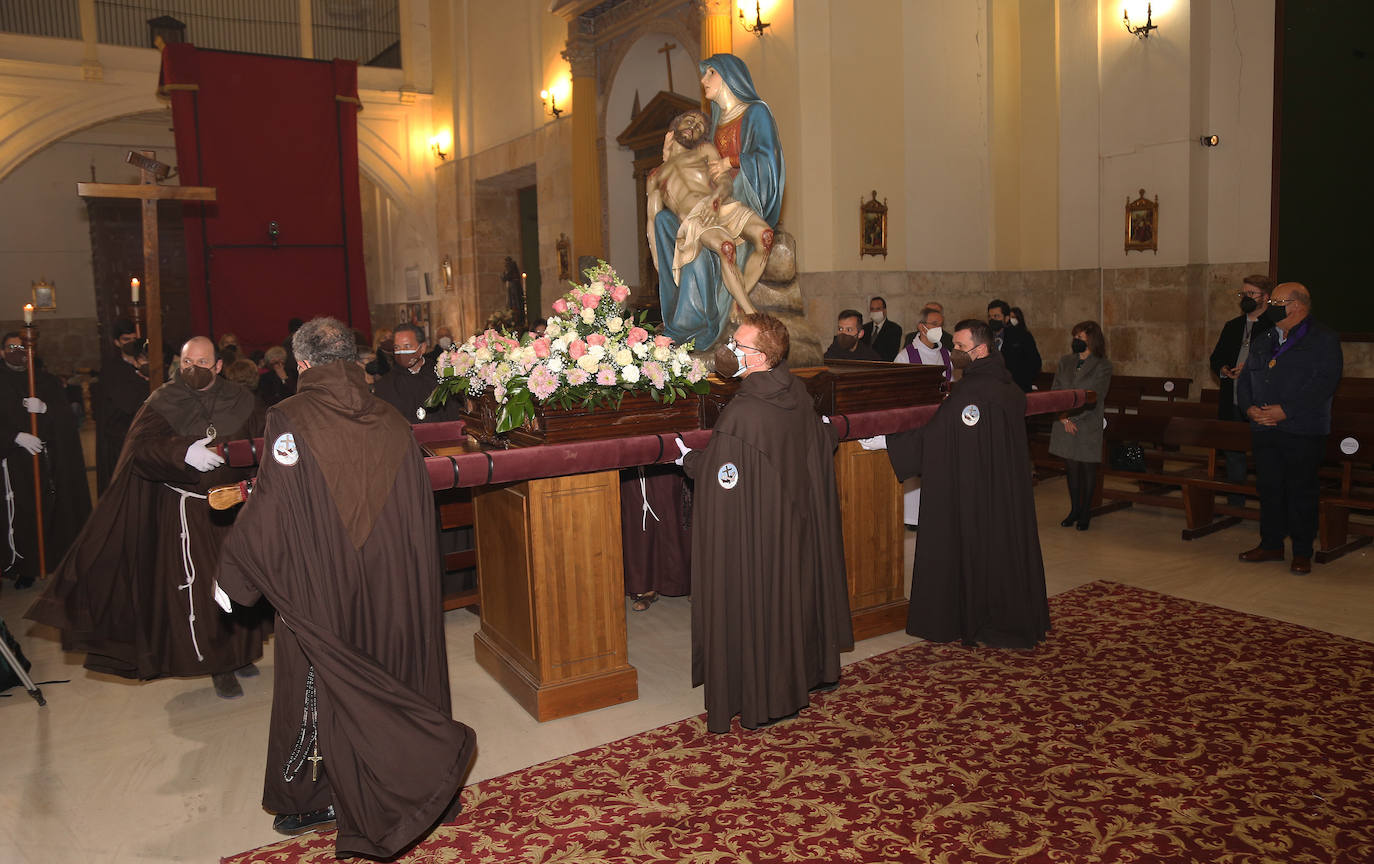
{"x": 645, "y": 510}
{"x": 188, "y": 565}
{"x": 9, "y": 507}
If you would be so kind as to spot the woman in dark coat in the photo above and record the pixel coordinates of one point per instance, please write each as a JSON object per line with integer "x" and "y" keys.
{"x": 1077, "y": 436}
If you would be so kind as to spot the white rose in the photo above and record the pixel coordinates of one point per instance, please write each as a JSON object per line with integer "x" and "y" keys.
{"x": 662, "y": 353}
{"x": 624, "y": 357}
{"x": 552, "y": 329}
{"x": 483, "y": 355}
{"x": 630, "y": 374}
{"x": 597, "y": 351}
{"x": 588, "y": 316}
{"x": 641, "y": 350}
{"x": 615, "y": 324}
{"x": 587, "y": 363}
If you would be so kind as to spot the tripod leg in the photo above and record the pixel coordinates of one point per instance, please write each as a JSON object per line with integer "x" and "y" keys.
{"x": 19, "y": 670}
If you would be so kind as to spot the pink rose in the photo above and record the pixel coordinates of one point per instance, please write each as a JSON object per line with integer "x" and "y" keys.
{"x": 481, "y": 342}
{"x": 590, "y": 300}
{"x": 560, "y": 305}
{"x": 606, "y": 279}
{"x": 596, "y": 339}
{"x": 541, "y": 348}
{"x": 662, "y": 342}
{"x": 637, "y": 335}
{"x": 577, "y": 349}
{"x": 619, "y": 293}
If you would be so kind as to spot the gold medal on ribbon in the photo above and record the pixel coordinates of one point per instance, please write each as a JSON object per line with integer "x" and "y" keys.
{"x": 1272, "y": 362}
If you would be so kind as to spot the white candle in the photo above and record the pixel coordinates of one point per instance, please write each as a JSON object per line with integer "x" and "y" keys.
{"x": 28, "y": 313}
{"x": 133, "y": 289}
{"x": 522, "y": 281}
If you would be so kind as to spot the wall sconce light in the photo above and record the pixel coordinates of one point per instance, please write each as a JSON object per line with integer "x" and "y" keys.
{"x": 759, "y": 24}
{"x": 441, "y": 144}
{"x": 446, "y": 269}
{"x": 550, "y": 100}
{"x": 1142, "y": 32}
{"x": 1209, "y": 140}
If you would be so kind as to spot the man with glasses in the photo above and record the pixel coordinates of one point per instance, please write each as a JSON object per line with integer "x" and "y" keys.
{"x": 1285, "y": 390}
{"x": 1228, "y": 358}
{"x": 770, "y": 604}
{"x": 849, "y": 343}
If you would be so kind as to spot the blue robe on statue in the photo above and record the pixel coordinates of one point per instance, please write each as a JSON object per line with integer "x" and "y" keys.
{"x": 698, "y": 305}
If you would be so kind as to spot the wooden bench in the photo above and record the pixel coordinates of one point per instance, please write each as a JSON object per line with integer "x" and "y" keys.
{"x": 1350, "y": 449}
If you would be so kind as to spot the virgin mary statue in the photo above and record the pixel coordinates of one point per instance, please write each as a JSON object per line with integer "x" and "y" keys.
{"x": 697, "y": 306}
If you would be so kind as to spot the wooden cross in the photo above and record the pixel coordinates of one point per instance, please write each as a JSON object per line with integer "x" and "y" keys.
{"x": 666, "y": 51}
{"x": 150, "y": 171}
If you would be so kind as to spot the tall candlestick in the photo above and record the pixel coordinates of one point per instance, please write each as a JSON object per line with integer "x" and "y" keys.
{"x": 28, "y": 313}
{"x": 133, "y": 289}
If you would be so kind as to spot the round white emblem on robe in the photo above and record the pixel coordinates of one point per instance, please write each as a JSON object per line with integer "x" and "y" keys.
{"x": 1168, "y": 386}
{"x": 728, "y": 475}
{"x": 284, "y": 450}
{"x": 420, "y": 413}
{"x": 1350, "y": 446}
{"x": 970, "y": 415}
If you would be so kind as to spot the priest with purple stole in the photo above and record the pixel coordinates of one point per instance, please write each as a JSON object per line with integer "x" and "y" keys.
{"x": 339, "y": 536}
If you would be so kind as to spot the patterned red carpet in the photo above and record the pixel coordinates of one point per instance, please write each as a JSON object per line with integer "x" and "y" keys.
{"x": 1147, "y": 729}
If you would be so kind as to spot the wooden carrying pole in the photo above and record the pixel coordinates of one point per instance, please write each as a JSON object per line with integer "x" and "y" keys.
{"x": 28, "y": 334}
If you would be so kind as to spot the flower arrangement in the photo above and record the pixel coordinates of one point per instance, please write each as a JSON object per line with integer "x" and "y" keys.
{"x": 591, "y": 355}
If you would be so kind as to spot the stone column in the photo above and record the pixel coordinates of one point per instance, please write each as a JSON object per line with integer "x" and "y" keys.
{"x": 586, "y": 163}
{"x": 716, "y": 35}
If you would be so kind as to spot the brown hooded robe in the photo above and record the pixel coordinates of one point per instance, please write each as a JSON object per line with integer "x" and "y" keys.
{"x": 770, "y": 604}
{"x": 339, "y": 536}
{"x": 118, "y": 595}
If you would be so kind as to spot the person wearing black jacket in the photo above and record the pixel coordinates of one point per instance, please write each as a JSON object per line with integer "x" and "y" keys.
{"x": 882, "y": 335}
{"x": 1228, "y": 358}
{"x": 1285, "y": 389}
{"x": 1016, "y": 344}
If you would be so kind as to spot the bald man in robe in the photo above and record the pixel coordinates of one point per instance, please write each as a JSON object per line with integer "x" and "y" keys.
{"x": 131, "y": 594}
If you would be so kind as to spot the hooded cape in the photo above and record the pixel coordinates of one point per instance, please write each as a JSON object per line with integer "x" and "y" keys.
{"x": 770, "y": 603}
{"x": 978, "y": 575}
{"x": 356, "y": 586}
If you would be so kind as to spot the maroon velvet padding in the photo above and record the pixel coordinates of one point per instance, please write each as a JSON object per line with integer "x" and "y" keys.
{"x": 584, "y": 457}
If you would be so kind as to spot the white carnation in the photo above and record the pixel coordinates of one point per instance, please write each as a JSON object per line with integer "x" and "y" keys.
{"x": 662, "y": 353}
{"x": 483, "y": 354}
{"x": 553, "y": 329}
{"x": 597, "y": 351}
{"x": 555, "y": 363}
{"x": 630, "y": 374}
{"x": 641, "y": 350}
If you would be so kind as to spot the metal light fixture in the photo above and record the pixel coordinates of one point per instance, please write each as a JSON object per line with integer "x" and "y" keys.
{"x": 1142, "y": 32}
{"x": 759, "y": 24}
{"x": 441, "y": 143}
{"x": 550, "y": 100}
{"x": 1209, "y": 140}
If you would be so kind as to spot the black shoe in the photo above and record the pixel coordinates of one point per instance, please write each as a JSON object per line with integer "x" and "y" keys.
{"x": 1082, "y": 524}
{"x": 292, "y": 824}
{"x": 226, "y": 685}
{"x": 249, "y": 671}
{"x": 1068, "y": 520}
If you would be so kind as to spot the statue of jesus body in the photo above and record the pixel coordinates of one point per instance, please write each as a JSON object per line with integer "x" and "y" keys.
{"x": 710, "y": 216}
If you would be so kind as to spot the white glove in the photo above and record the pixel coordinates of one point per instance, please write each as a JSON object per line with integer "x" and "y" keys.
{"x": 685, "y": 450}
{"x": 31, "y": 443}
{"x": 202, "y": 458}
{"x": 35, "y": 405}
{"x": 222, "y": 599}
{"x": 825, "y": 419}
{"x": 877, "y": 442}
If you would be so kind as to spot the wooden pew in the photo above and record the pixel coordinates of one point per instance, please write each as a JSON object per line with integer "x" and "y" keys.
{"x": 1351, "y": 448}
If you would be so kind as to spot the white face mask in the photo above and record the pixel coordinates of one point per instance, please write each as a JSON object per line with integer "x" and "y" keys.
{"x": 877, "y": 316}
{"x": 934, "y": 334}
{"x": 445, "y": 342}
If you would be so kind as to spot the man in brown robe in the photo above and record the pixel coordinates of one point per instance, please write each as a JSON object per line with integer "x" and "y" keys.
{"x": 115, "y": 399}
{"x": 131, "y": 593}
{"x": 65, "y": 491}
{"x": 339, "y": 536}
{"x": 770, "y": 604}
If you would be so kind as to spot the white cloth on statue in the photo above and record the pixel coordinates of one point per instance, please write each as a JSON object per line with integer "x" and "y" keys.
{"x": 911, "y": 501}
{"x": 730, "y": 220}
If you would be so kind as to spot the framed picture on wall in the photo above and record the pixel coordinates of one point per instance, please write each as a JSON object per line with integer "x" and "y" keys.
{"x": 1142, "y": 224}
{"x": 872, "y": 226}
{"x": 44, "y": 296}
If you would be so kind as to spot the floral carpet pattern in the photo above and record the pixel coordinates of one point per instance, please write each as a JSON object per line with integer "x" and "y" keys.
{"x": 1147, "y": 729}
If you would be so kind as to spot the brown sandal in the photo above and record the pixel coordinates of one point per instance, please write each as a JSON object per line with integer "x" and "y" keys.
{"x": 643, "y": 601}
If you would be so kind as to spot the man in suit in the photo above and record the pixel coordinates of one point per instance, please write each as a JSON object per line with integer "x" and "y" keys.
{"x": 1228, "y": 358}
{"x": 883, "y": 335}
{"x": 1285, "y": 389}
{"x": 1016, "y": 344}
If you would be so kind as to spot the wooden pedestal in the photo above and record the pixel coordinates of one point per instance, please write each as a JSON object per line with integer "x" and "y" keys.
{"x": 871, "y": 510}
{"x": 552, "y": 593}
